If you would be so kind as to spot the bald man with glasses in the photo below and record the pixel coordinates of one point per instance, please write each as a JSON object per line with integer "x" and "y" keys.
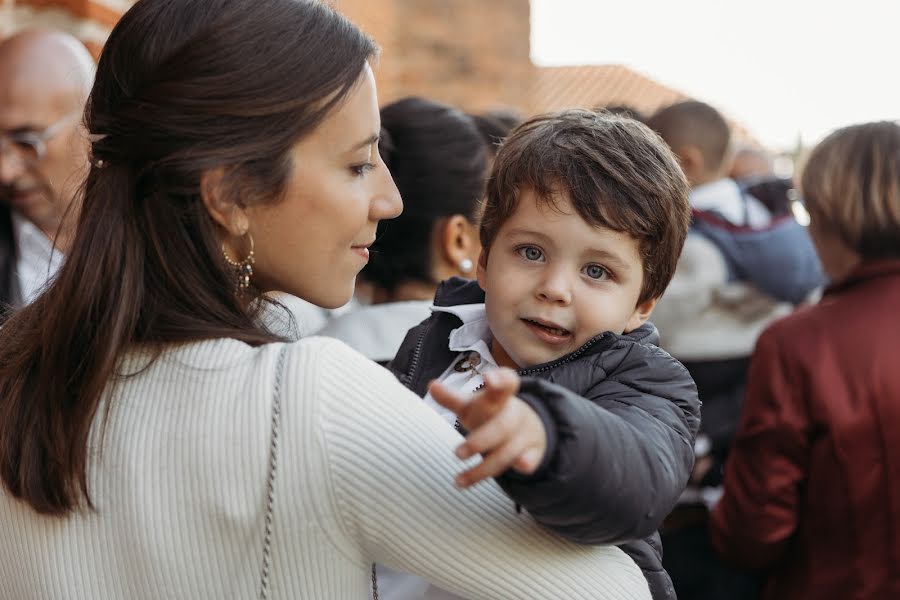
{"x": 45, "y": 78}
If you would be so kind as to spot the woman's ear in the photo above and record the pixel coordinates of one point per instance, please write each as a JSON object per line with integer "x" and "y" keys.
{"x": 458, "y": 245}
{"x": 223, "y": 211}
{"x": 641, "y": 314}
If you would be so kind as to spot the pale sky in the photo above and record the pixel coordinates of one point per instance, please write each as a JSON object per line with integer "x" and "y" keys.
{"x": 780, "y": 67}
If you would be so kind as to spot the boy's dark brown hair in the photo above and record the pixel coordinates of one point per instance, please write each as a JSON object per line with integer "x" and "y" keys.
{"x": 617, "y": 173}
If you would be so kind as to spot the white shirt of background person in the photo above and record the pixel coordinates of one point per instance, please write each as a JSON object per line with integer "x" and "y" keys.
{"x": 37, "y": 261}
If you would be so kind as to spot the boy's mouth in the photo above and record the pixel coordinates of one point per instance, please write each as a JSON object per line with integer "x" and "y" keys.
{"x": 548, "y": 331}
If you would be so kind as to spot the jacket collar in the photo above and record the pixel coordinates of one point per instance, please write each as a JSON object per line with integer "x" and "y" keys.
{"x": 866, "y": 271}
{"x": 456, "y": 291}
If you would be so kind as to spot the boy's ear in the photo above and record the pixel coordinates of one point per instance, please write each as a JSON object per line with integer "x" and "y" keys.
{"x": 641, "y": 314}
{"x": 223, "y": 211}
{"x": 691, "y": 160}
{"x": 481, "y": 270}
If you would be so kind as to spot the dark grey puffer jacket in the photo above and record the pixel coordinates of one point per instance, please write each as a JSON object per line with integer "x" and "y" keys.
{"x": 621, "y": 416}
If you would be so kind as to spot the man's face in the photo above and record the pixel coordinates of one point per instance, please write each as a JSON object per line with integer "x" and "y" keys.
{"x": 39, "y": 187}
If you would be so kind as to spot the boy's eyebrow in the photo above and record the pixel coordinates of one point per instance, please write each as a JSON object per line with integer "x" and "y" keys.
{"x": 523, "y": 231}
{"x": 611, "y": 259}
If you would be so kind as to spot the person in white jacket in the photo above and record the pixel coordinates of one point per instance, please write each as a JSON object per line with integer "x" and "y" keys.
{"x": 156, "y": 440}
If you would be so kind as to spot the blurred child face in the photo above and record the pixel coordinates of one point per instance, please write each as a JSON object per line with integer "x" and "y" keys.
{"x": 553, "y": 281}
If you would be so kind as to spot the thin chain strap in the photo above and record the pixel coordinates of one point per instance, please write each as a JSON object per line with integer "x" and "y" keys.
{"x": 374, "y": 583}
{"x": 270, "y": 484}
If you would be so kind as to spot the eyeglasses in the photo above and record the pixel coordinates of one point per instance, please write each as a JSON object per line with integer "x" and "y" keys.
{"x": 31, "y": 146}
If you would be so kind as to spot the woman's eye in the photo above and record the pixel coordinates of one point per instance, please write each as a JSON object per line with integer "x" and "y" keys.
{"x": 362, "y": 169}
{"x": 595, "y": 271}
{"x": 530, "y": 253}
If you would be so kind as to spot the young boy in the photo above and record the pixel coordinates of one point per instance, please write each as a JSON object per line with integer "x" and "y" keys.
{"x": 583, "y": 223}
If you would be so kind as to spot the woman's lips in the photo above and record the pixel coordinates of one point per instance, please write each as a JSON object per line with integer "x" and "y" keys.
{"x": 362, "y": 251}
{"x": 548, "y": 333}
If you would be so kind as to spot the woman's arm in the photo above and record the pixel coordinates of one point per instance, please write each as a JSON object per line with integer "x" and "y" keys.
{"x": 756, "y": 517}
{"x": 391, "y": 469}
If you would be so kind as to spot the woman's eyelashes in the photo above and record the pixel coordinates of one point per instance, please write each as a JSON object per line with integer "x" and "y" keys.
{"x": 362, "y": 168}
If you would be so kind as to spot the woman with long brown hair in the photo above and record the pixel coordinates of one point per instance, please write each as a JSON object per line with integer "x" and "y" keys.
{"x": 156, "y": 440}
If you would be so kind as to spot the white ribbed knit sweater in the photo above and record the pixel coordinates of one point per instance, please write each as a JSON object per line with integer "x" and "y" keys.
{"x": 365, "y": 473}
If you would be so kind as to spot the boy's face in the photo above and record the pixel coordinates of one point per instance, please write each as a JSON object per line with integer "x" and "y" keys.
{"x": 553, "y": 281}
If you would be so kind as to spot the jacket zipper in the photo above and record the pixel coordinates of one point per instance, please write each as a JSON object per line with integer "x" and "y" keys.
{"x": 558, "y": 362}
{"x": 415, "y": 359}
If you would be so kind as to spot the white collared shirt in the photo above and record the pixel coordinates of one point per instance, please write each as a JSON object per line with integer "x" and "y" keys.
{"x": 37, "y": 261}
{"x": 472, "y": 340}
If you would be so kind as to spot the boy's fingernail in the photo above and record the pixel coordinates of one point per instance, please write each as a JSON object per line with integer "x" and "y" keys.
{"x": 461, "y": 480}
{"x": 462, "y": 452}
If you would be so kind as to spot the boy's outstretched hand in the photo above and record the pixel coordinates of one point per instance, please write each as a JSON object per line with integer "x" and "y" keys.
{"x": 502, "y": 427}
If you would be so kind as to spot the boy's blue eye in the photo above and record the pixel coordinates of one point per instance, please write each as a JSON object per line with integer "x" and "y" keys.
{"x": 530, "y": 253}
{"x": 595, "y": 271}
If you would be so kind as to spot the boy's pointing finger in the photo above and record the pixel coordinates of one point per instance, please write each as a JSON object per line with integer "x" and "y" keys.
{"x": 448, "y": 398}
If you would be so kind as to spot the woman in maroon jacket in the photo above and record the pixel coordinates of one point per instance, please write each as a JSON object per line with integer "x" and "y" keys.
{"x": 812, "y": 486}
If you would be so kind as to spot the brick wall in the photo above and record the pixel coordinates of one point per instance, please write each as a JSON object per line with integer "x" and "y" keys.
{"x": 474, "y": 54}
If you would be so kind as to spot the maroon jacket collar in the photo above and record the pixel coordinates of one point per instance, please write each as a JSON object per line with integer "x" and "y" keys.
{"x": 865, "y": 271}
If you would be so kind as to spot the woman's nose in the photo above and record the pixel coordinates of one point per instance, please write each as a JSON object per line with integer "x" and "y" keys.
{"x": 387, "y": 203}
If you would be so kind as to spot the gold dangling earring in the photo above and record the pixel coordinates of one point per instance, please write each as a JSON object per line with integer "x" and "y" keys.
{"x": 243, "y": 270}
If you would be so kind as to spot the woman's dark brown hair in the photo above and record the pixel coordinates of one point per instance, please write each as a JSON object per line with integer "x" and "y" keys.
{"x": 182, "y": 87}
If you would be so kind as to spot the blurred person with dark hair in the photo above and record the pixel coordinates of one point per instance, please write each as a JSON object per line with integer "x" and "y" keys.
{"x": 495, "y": 126}
{"x": 812, "y": 484}
{"x": 507, "y": 118}
{"x": 739, "y": 270}
{"x": 438, "y": 160}
{"x": 45, "y": 77}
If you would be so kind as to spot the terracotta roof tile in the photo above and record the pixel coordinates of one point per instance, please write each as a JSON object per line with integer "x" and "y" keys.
{"x": 591, "y": 86}
{"x": 556, "y": 88}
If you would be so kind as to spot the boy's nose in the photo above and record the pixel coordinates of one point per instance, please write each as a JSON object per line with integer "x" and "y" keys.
{"x": 555, "y": 287}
